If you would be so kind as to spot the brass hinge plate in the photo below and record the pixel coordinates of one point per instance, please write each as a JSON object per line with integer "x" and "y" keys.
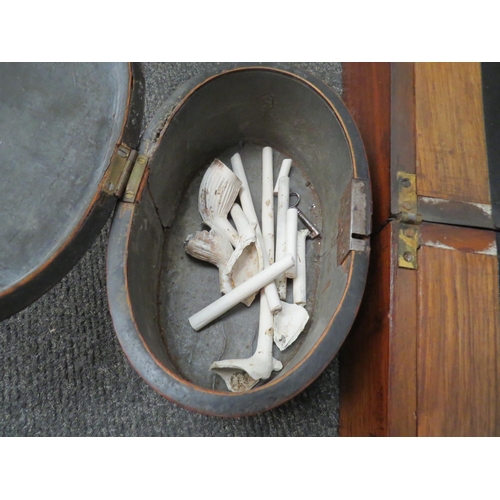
{"x": 409, "y": 220}
{"x": 408, "y": 245}
{"x": 407, "y": 199}
{"x": 119, "y": 170}
{"x": 135, "y": 180}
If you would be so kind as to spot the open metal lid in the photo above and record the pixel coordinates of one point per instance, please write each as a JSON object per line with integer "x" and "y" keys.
{"x": 63, "y": 129}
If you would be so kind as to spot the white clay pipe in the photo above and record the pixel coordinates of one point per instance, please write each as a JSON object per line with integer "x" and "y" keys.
{"x": 214, "y": 248}
{"x": 241, "y": 292}
{"x": 288, "y": 324}
{"x": 268, "y": 202}
{"x": 240, "y": 220}
{"x": 299, "y": 283}
{"x": 260, "y": 365}
{"x": 246, "y": 259}
{"x": 292, "y": 319}
{"x": 249, "y": 210}
{"x": 291, "y": 239}
{"x": 286, "y": 165}
{"x": 246, "y": 232}
{"x": 218, "y": 191}
{"x": 283, "y": 204}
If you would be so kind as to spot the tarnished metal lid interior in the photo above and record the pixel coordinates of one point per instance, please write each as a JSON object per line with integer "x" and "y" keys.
{"x": 59, "y": 124}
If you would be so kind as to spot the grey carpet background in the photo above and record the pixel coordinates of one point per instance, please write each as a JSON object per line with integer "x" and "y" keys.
{"x": 63, "y": 373}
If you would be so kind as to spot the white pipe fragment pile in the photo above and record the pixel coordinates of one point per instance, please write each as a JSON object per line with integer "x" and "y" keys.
{"x": 252, "y": 258}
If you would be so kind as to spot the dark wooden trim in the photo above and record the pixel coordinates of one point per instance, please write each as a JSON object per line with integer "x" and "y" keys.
{"x": 460, "y": 213}
{"x": 366, "y": 93}
{"x": 490, "y": 79}
{"x": 402, "y": 380}
{"x": 402, "y": 126}
{"x": 378, "y": 359}
{"x": 364, "y": 354}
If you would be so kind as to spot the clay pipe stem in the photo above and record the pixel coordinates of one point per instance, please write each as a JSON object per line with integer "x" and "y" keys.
{"x": 291, "y": 239}
{"x": 299, "y": 283}
{"x": 286, "y": 165}
{"x": 283, "y": 203}
{"x": 249, "y": 210}
{"x": 268, "y": 203}
{"x": 241, "y": 292}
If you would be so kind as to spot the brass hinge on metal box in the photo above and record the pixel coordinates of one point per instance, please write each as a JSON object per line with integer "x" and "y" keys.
{"x": 125, "y": 173}
{"x": 135, "y": 179}
{"x": 408, "y": 236}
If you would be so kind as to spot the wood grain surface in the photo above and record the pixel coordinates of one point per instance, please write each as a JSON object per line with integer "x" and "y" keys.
{"x": 364, "y": 356}
{"x": 378, "y": 359}
{"x": 459, "y": 338}
{"x": 402, "y": 383}
{"x": 402, "y": 134}
{"x": 465, "y": 239}
{"x": 367, "y": 95}
{"x": 451, "y": 149}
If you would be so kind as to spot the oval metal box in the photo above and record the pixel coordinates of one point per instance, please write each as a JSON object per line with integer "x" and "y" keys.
{"x": 153, "y": 286}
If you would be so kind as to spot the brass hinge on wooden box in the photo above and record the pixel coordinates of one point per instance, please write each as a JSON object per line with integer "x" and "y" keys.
{"x": 409, "y": 219}
{"x": 125, "y": 173}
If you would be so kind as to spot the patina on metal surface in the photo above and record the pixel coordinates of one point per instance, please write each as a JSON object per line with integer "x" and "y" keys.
{"x": 408, "y": 238}
{"x": 119, "y": 170}
{"x": 60, "y": 125}
{"x": 136, "y": 179}
{"x": 154, "y": 286}
{"x": 407, "y": 193}
{"x": 408, "y": 235}
{"x": 353, "y": 226}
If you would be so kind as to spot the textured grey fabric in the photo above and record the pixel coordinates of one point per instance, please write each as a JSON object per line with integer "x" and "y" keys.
{"x": 62, "y": 371}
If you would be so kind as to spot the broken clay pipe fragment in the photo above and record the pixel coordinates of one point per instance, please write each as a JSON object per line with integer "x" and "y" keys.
{"x": 299, "y": 283}
{"x": 243, "y": 374}
{"x": 291, "y": 239}
{"x": 244, "y": 193}
{"x": 246, "y": 259}
{"x": 268, "y": 203}
{"x": 249, "y": 287}
{"x": 249, "y": 210}
{"x": 214, "y": 248}
{"x": 236, "y": 379}
{"x": 218, "y": 191}
{"x": 283, "y": 202}
{"x": 288, "y": 324}
{"x": 286, "y": 165}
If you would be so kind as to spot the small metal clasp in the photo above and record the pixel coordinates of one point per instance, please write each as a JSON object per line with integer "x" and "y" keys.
{"x": 313, "y": 230}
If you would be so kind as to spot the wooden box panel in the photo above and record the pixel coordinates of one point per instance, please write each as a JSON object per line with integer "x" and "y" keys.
{"x": 458, "y": 333}
{"x": 422, "y": 357}
{"x": 378, "y": 395}
{"x": 451, "y": 150}
{"x": 428, "y": 119}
